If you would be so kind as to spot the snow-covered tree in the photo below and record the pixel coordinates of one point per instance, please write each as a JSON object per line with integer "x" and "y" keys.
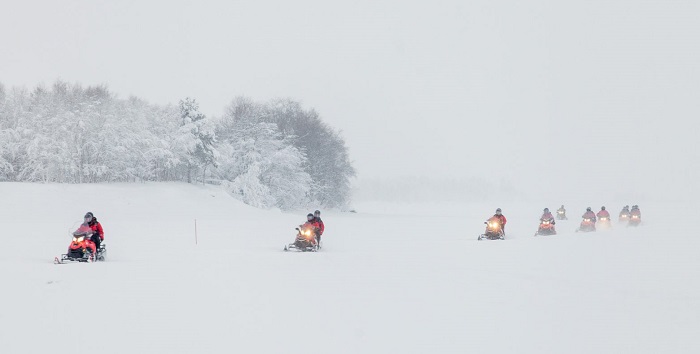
{"x": 270, "y": 154}
{"x": 263, "y": 168}
{"x": 196, "y": 139}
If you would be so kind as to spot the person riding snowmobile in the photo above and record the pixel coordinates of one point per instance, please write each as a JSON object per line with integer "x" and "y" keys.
{"x": 603, "y": 213}
{"x": 625, "y": 212}
{"x": 98, "y": 233}
{"x": 501, "y": 219}
{"x": 635, "y": 211}
{"x": 546, "y": 224}
{"x": 321, "y": 226}
{"x": 312, "y": 224}
{"x": 87, "y": 244}
{"x": 589, "y": 214}
{"x": 547, "y": 216}
{"x": 561, "y": 212}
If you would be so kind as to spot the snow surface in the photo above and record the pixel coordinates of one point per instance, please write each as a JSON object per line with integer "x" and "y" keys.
{"x": 391, "y": 278}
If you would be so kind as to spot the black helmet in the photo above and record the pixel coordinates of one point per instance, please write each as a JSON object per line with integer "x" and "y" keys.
{"x": 602, "y": 208}
{"x": 309, "y": 216}
{"x": 546, "y": 210}
{"x": 588, "y": 209}
{"x": 498, "y": 211}
{"x": 317, "y": 213}
{"x": 89, "y": 215}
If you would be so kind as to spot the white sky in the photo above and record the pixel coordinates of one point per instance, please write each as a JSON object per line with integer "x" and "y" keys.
{"x": 544, "y": 94}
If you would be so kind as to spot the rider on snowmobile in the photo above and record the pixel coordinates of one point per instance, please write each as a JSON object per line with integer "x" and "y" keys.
{"x": 561, "y": 210}
{"x": 589, "y": 214}
{"x": 625, "y": 211}
{"x": 313, "y": 225}
{"x": 501, "y": 219}
{"x": 603, "y": 213}
{"x": 82, "y": 232}
{"x": 547, "y": 216}
{"x": 635, "y": 211}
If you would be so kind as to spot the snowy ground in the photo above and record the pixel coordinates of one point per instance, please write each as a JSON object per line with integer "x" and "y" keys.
{"x": 391, "y": 278}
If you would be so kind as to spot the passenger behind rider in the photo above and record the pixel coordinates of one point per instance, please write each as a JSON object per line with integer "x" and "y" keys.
{"x": 98, "y": 235}
{"x": 321, "y": 226}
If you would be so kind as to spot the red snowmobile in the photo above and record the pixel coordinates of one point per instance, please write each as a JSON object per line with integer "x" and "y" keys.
{"x": 546, "y": 228}
{"x": 81, "y": 248}
{"x": 604, "y": 223}
{"x": 587, "y": 225}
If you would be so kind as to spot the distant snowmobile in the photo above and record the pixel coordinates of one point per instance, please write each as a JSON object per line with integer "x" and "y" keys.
{"x": 305, "y": 240}
{"x": 546, "y": 228}
{"x": 635, "y": 220}
{"x": 561, "y": 215}
{"x": 494, "y": 231}
{"x": 604, "y": 223}
{"x": 587, "y": 225}
{"x": 82, "y": 249}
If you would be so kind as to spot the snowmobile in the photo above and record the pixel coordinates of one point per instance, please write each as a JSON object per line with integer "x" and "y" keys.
{"x": 305, "y": 240}
{"x": 624, "y": 217}
{"x": 587, "y": 225}
{"x": 561, "y": 215}
{"x": 494, "y": 231}
{"x": 635, "y": 220}
{"x": 80, "y": 248}
{"x": 604, "y": 223}
{"x": 546, "y": 228}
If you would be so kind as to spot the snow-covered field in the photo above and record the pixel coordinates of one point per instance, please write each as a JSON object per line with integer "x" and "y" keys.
{"x": 390, "y": 279}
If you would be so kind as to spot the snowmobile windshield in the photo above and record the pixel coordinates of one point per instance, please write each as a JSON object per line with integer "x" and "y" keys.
{"x": 83, "y": 230}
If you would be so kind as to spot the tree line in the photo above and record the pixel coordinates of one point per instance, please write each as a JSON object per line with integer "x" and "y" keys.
{"x": 268, "y": 154}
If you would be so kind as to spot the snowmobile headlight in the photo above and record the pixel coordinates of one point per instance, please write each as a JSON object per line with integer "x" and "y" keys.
{"x": 546, "y": 222}
{"x": 78, "y": 239}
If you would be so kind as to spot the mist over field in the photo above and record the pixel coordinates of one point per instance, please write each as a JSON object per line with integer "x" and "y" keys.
{"x": 200, "y": 134}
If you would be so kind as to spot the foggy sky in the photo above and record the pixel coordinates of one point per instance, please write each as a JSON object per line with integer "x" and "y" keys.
{"x": 562, "y": 96}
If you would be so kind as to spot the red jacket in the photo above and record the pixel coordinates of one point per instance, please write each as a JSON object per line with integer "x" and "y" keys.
{"x": 97, "y": 227}
{"x": 321, "y": 227}
{"x": 547, "y": 216}
{"x": 313, "y": 224}
{"x": 603, "y": 214}
{"x": 501, "y": 218}
{"x": 589, "y": 215}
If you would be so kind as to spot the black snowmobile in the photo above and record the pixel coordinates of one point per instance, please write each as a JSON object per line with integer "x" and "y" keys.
{"x": 305, "y": 241}
{"x": 494, "y": 231}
